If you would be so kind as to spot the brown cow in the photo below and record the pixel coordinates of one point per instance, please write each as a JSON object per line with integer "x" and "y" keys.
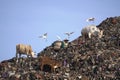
{"x": 47, "y": 61}
{"x": 24, "y": 49}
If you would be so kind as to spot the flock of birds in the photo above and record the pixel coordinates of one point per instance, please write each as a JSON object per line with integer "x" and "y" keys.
{"x": 44, "y": 36}
{"x": 68, "y": 34}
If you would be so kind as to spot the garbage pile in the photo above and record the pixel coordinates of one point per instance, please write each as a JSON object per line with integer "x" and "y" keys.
{"x": 91, "y": 59}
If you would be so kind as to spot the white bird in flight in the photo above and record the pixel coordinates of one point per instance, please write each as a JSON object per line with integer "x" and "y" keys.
{"x": 59, "y": 38}
{"x": 90, "y": 19}
{"x": 68, "y": 34}
{"x": 44, "y": 36}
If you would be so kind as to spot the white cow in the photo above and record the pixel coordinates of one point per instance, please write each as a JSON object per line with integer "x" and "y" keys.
{"x": 24, "y": 49}
{"x": 92, "y": 30}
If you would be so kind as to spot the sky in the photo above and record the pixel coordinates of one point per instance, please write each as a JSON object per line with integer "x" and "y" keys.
{"x": 23, "y": 21}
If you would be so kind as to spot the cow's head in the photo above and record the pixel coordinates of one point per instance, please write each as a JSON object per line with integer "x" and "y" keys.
{"x": 33, "y": 54}
{"x": 101, "y": 33}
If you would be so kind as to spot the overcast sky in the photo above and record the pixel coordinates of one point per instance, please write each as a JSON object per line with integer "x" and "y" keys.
{"x": 22, "y": 21}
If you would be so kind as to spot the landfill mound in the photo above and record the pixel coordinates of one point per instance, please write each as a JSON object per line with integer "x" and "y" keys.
{"x": 91, "y": 59}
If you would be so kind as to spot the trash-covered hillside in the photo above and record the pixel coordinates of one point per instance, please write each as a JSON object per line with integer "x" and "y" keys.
{"x": 90, "y": 59}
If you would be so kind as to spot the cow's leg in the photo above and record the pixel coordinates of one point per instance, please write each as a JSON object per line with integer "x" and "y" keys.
{"x": 84, "y": 37}
{"x": 27, "y": 56}
{"x": 52, "y": 69}
{"x": 19, "y": 55}
{"x": 89, "y": 35}
{"x": 42, "y": 67}
{"x": 16, "y": 57}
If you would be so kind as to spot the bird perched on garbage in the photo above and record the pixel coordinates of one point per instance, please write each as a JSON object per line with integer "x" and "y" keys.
{"x": 44, "y": 36}
{"x": 90, "y": 19}
{"x": 68, "y": 34}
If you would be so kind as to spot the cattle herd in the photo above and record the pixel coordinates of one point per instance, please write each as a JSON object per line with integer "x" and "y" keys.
{"x": 95, "y": 55}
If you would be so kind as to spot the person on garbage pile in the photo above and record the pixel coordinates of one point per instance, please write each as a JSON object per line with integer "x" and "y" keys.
{"x": 65, "y": 43}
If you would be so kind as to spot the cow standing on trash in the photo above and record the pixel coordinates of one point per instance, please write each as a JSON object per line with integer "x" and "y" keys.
{"x": 48, "y": 64}
{"x": 90, "y": 31}
{"x": 24, "y": 49}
